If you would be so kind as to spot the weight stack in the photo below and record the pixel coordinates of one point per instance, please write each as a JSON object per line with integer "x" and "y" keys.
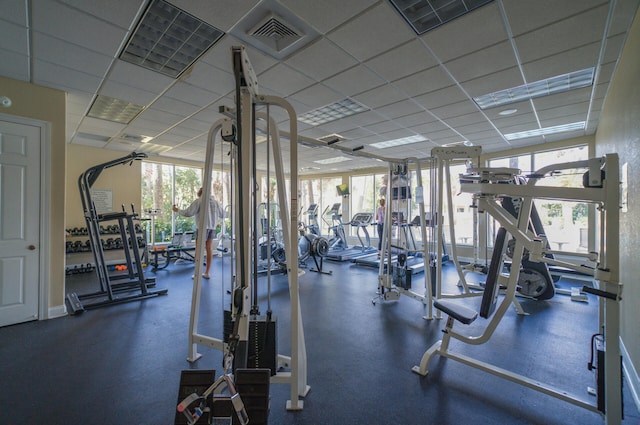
{"x": 194, "y": 381}
{"x": 253, "y": 387}
{"x": 402, "y": 277}
{"x": 600, "y": 376}
{"x": 263, "y": 353}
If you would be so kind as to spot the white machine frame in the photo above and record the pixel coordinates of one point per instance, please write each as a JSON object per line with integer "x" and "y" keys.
{"x": 296, "y": 363}
{"x": 606, "y": 194}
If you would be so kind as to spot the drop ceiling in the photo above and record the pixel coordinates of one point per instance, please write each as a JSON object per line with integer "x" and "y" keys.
{"x": 419, "y": 87}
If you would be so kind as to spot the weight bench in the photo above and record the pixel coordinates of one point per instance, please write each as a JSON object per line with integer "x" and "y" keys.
{"x": 465, "y": 315}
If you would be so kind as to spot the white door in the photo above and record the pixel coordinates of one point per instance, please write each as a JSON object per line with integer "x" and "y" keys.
{"x": 19, "y": 222}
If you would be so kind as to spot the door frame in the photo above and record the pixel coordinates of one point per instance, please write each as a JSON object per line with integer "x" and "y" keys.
{"x": 44, "y": 257}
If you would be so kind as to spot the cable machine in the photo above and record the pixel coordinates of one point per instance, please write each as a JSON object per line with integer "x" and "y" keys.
{"x": 240, "y": 133}
{"x": 133, "y": 284}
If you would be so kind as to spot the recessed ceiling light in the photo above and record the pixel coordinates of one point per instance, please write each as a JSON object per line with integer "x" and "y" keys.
{"x": 507, "y": 112}
{"x": 425, "y": 15}
{"x": 335, "y": 111}
{"x": 398, "y": 142}
{"x": 332, "y": 160}
{"x": 168, "y": 39}
{"x": 547, "y": 130}
{"x": 557, "y": 84}
{"x": 112, "y": 109}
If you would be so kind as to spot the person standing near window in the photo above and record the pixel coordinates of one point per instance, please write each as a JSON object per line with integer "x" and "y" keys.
{"x": 215, "y": 212}
{"x": 380, "y": 220}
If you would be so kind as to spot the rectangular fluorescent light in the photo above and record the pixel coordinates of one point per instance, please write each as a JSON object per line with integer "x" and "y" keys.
{"x": 547, "y": 130}
{"x": 425, "y": 15}
{"x": 335, "y": 111}
{"x": 332, "y": 160}
{"x": 112, "y": 109}
{"x": 168, "y": 39}
{"x": 398, "y": 142}
{"x": 557, "y": 84}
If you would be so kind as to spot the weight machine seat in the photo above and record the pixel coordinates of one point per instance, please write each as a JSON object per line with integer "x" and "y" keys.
{"x": 459, "y": 312}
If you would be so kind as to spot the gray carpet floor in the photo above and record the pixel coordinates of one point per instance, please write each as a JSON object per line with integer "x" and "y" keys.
{"x": 121, "y": 364}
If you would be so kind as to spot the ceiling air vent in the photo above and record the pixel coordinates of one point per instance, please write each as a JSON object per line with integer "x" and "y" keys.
{"x": 274, "y": 30}
{"x": 276, "y": 33}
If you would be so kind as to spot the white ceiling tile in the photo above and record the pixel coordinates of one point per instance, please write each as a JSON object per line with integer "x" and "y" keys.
{"x": 483, "y": 62}
{"x": 102, "y": 127}
{"x": 528, "y": 120}
{"x": 191, "y": 94}
{"x": 316, "y": 96}
{"x": 382, "y": 95}
{"x": 89, "y": 142}
{"x": 454, "y": 110}
{"x": 175, "y": 106}
{"x": 139, "y": 77}
{"x": 400, "y": 109}
{"x": 489, "y": 83}
{"x": 142, "y": 126}
{"x": 476, "y": 30}
{"x": 605, "y": 73}
{"x": 562, "y": 63}
{"x": 69, "y": 24}
{"x": 207, "y": 77}
{"x": 14, "y": 65}
{"x": 561, "y": 36}
{"x": 126, "y": 92}
{"x": 62, "y": 78}
{"x": 327, "y": 14}
{"x": 623, "y": 15}
{"x": 118, "y": 12}
{"x": 354, "y": 81}
{"x": 321, "y": 60}
{"x": 528, "y": 16}
{"x": 284, "y": 80}
{"x": 15, "y": 12}
{"x": 463, "y": 120}
{"x": 572, "y": 97}
{"x": 613, "y": 49}
{"x": 14, "y": 38}
{"x": 416, "y": 119}
{"x": 404, "y": 60}
{"x": 222, "y": 14}
{"x": 61, "y": 53}
{"x": 437, "y": 98}
{"x": 424, "y": 82}
{"x": 375, "y": 31}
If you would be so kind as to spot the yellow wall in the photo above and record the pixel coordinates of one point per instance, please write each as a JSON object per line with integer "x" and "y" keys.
{"x": 45, "y": 104}
{"x": 123, "y": 180}
{"x": 619, "y": 131}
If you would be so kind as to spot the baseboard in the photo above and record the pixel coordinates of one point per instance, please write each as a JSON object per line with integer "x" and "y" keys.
{"x": 57, "y": 311}
{"x": 630, "y": 372}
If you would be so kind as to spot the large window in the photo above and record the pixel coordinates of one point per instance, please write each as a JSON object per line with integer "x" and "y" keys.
{"x": 365, "y": 196}
{"x": 565, "y": 223}
{"x": 323, "y": 193}
{"x": 164, "y": 185}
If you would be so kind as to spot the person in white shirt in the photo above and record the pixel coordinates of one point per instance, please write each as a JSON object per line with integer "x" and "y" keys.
{"x": 215, "y": 213}
{"x": 380, "y": 221}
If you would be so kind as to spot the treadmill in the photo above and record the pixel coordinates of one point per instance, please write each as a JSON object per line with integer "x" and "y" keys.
{"x": 360, "y": 221}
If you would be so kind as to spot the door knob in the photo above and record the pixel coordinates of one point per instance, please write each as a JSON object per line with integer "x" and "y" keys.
{"x": 31, "y": 247}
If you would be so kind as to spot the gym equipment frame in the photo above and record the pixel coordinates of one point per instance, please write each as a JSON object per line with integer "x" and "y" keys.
{"x": 601, "y": 186}
{"x": 135, "y": 286}
{"x": 243, "y": 150}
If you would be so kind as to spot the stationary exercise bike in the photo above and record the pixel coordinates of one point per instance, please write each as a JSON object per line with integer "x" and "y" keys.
{"x": 310, "y": 243}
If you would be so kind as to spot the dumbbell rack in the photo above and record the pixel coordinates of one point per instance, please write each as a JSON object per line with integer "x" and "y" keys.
{"x": 78, "y": 247}
{"x": 133, "y": 285}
